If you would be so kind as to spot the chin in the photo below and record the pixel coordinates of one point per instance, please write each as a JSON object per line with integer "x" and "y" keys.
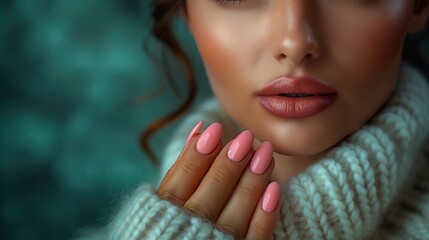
{"x": 302, "y": 146}
{"x": 297, "y": 151}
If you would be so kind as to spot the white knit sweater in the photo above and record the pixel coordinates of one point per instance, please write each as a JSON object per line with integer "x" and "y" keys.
{"x": 375, "y": 184}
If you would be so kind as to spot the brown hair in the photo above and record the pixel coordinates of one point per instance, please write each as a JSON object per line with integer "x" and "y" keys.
{"x": 163, "y": 14}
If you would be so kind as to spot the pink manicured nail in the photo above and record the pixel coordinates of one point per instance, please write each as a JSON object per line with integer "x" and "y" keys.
{"x": 271, "y": 197}
{"x": 240, "y": 146}
{"x": 194, "y": 131}
{"x": 262, "y": 158}
{"x": 209, "y": 139}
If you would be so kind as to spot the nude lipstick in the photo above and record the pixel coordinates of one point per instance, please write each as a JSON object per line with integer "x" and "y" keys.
{"x": 296, "y": 98}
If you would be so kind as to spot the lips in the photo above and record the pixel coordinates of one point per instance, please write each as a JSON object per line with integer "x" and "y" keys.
{"x": 296, "y": 98}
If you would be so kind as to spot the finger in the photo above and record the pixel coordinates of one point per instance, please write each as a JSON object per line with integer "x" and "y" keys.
{"x": 195, "y": 132}
{"x": 213, "y": 192}
{"x": 238, "y": 212}
{"x": 192, "y": 166}
{"x": 265, "y": 216}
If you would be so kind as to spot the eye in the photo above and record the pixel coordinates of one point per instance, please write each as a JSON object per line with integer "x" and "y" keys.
{"x": 229, "y": 2}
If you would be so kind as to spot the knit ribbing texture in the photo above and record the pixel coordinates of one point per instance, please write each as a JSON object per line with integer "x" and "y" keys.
{"x": 347, "y": 193}
{"x": 373, "y": 185}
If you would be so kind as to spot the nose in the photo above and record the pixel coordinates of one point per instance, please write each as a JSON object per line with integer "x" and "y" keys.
{"x": 292, "y": 34}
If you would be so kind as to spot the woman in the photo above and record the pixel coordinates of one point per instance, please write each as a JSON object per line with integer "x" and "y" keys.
{"x": 332, "y": 126}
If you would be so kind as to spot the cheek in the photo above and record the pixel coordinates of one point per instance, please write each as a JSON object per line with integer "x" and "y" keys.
{"x": 230, "y": 42}
{"x": 368, "y": 53}
{"x": 224, "y": 48}
{"x": 217, "y": 47}
{"x": 381, "y": 51}
{"x": 220, "y": 54}
{"x": 219, "y": 51}
{"x": 372, "y": 46}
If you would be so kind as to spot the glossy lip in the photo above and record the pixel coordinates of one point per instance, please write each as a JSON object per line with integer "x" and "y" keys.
{"x": 273, "y": 97}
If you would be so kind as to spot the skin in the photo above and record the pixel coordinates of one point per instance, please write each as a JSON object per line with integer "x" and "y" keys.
{"x": 224, "y": 192}
{"x": 353, "y": 47}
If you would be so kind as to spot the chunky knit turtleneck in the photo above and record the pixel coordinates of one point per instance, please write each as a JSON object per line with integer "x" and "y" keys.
{"x": 374, "y": 184}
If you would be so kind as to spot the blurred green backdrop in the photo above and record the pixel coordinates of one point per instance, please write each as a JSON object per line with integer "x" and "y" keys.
{"x": 70, "y": 73}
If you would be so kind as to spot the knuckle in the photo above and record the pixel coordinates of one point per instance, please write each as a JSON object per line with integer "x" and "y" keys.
{"x": 260, "y": 230}
{"x": 248, "y": 192}
{"x": 201, "y": 210}
{"x": 223, "y": 175}
{"x": 227, "y": 227}
{"x": 188, "y": 167}
{"x": 172, "y": 195}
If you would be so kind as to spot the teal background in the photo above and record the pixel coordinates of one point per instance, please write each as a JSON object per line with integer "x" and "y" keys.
{"x": 74, "y": 78}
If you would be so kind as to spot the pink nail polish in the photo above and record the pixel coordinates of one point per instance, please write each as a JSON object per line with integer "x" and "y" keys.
{"x": 271, "y": 197}
{"x": 240, "y": 146}
{"x": 194, "y": 131}
{"x": 209, "y": 139}
{"x": 262, "y": 158}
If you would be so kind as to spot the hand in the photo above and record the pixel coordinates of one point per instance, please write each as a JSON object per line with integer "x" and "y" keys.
{"x": 226, "y": 186}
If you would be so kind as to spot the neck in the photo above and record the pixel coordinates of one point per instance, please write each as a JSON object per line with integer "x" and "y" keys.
{"x": 354, "y": 185}
{"x": 287, "y": 166}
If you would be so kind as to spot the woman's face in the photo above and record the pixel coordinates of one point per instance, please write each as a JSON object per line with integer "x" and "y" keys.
{"x": 352, "y": 47}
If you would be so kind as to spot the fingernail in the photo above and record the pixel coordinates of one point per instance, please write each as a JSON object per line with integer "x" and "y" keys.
{"x": 262, "y": 158}
{"x": 240, "y": 146}
{"x": 271, "y": 197}
{"x": 194, "y": 131}
{"x": 209, "y": 139}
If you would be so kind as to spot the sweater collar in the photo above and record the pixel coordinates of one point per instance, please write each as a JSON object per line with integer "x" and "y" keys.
{"x": 345, "y": 194}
